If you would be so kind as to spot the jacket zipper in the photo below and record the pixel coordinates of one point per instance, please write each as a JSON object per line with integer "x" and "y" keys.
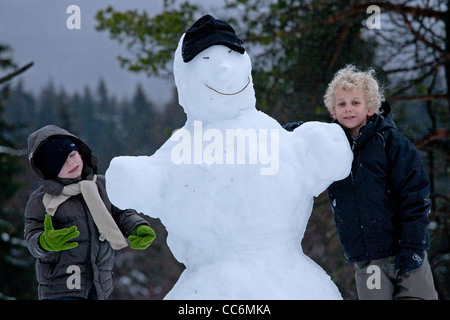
{"x": 351, "y": 171}
{"x": 357, "y": 206}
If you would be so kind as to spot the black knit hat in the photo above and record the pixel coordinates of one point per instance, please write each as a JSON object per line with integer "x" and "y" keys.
{"x": 52, "y": 155}
{"x": 206, "y": 32}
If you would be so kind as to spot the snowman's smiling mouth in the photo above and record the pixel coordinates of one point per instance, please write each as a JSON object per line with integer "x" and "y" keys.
{"x": 230, "y": 94}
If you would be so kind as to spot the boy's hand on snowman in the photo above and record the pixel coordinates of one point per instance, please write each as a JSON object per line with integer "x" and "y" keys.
{"x": 142, "y": 237}
{"x": 57, "y": 240}
{"x": 291, "y": 126}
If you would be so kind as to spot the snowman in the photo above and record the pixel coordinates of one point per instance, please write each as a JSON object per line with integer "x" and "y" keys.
{"x": 232, "y": 187}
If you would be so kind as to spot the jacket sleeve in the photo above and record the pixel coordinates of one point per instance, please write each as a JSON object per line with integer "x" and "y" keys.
{"x": 34, "y": 225}
{"x": 292, "y": 125}
{"x": 127, "y": 220}
{"x": 411, "y": 188}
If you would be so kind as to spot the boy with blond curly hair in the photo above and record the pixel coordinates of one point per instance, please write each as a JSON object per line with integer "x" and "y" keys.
{"x": 381, "y": 209}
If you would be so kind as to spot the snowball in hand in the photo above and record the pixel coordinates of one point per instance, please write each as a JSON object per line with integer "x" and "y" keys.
{"x": 233, "y": 188}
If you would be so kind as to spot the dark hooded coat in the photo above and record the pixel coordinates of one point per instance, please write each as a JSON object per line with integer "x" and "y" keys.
{"x": 382, "y": 206}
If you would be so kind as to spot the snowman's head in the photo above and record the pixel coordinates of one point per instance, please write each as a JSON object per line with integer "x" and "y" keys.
{"x": 213, "y": 79}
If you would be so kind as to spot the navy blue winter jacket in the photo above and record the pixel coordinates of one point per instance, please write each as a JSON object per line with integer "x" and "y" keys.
{"x": 382, "y": 206}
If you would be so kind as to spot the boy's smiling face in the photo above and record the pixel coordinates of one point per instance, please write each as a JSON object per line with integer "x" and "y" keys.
{"x": 351, "y": 110}
{"x": 73, "y": 166}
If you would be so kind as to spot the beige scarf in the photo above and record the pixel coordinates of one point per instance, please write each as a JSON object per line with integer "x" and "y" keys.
{"x": 102, "y": 218}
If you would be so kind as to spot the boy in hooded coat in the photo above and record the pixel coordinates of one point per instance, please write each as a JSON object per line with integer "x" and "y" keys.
{"x": 71, "y": 227}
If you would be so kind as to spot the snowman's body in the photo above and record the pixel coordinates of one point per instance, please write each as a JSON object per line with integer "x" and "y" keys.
{"x": 236, "y": 227}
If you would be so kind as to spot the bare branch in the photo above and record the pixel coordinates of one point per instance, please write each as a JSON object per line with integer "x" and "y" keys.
{"x": 438, "y": 134}
{"x": 430, "y": 97}
{"x": 16, "y": 72}
{"x": 421, "y": 37}
{"x": 387, "y": 6}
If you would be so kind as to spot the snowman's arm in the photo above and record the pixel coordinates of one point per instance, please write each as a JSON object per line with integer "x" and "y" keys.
{"x": 324, "y": 151}
{"x": 135, "y": 183}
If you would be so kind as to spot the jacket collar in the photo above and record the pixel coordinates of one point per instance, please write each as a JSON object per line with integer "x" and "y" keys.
{"x": 375, "y": 124}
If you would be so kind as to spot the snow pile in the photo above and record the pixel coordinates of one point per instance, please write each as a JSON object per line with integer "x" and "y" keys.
{"x": 233, "y": 188}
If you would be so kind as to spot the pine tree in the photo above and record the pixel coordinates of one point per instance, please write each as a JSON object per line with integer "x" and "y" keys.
{"x": 14, "y": 256}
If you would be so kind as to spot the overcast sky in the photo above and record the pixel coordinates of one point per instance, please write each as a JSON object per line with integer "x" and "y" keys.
{"x": 37, "y": 31}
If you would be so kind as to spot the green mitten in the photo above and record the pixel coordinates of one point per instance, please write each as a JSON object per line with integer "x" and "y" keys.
{"x": 57, "y": 240}
{"x": 142, "y": 237}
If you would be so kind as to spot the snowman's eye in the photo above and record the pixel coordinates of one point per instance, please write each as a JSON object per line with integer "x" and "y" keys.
{"x": 230, "y": 51}
{"x": 205, "y": 58}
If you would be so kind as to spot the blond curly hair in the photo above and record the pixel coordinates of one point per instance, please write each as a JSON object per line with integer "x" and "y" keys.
{"x": 350, "y": 78}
